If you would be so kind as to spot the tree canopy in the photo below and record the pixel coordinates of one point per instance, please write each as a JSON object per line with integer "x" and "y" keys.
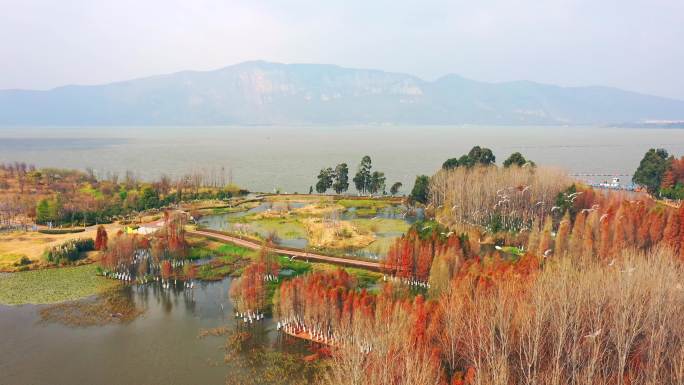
{"x": 377, "y": 182}
{"x": 365, "y": 180}
{"x": 362, "y": 179}
{"x": 325, "y": 180}
{"x": 476, "y": 155}
{"x": 651, "y": 169}
{"x": 341, "y": 177}
{"x": 450, "y": 163}
{"x": 421, "y": 189}
{"x": 517, "y": 159}
{"x": 481, "y": 155}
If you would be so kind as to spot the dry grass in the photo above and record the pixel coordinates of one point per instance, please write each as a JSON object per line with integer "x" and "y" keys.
{"x": 515, "y": 196}
{"x": 336, "y": 234}
{"x": 320, "y": 209}
{"x": 32, "y": 244}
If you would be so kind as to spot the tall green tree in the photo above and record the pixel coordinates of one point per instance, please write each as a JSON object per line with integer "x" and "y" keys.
{"x": 395, "y": 188}
{"x": 517, "y": 159}
{"x": 481, "y": 155}
{"x": 421, "y": 189}
{"x": 325, "y": 180}
{"x": 49, "y": 210}
{"x": 651, "y": 169}
{"x": 466, "y": 161}
{"x": 377, "y": 182}
{"x": 150, "y": 198}
{"x": 341, "y": 183}
{"x": 363, "y": 175}
{"x": 450, "y": 163}
{"x": 43, "y": 211}
{"x": 476, "y": 155}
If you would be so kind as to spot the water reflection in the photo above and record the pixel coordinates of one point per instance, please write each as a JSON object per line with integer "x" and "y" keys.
{"x": 159, "y": 346}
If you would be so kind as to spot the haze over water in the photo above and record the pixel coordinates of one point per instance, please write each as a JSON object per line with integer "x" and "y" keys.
{"x": 289, "y": 158}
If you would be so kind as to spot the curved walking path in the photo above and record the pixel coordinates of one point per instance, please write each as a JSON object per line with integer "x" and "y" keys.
{"x": 295, "y": 253}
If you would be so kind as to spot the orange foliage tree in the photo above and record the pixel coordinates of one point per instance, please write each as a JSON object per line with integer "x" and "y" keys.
{"x": 101, "y": 238}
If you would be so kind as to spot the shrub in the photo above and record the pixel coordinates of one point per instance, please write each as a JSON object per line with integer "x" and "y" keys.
{"x": 69, "y": 251}
{"x": 23, "y": 261}
{"x": 61, "y": 231}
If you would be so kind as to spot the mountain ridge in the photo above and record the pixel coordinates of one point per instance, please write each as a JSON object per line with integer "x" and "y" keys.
{"x": 261, "y": 92}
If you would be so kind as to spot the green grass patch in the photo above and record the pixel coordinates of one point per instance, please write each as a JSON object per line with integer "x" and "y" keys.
{"x": 366, "y": 212}
{"x": 227, "y": 259}
{"x": 285, "y": 228}
{"x": 90, "y": 190}
{"x": 299, "y": 267}
{"x": 381, "y": 245}
{"x": 212, "y": 273}
{"x": 225, "y": 250}
{"x": 226, "y": 210}
{"x": 364, "y": 203}
{"x": 381, "y": 225}
{"x": 234, "y": 250}
{"x": 200, "y": 253}
{"x": 51, "y": 285}
{"x": 364, "y": 278}
{"x": 512, "y": 250}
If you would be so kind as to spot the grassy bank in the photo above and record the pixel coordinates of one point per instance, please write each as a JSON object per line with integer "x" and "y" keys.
{"x": 226, "y": 258}
{"x": 32, "y": 245}
{"x": 51, "y": 285}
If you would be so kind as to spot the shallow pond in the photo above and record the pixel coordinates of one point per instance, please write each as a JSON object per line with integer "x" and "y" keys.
{"x": 162, "y": 346}
{"x": 294, "y": 237}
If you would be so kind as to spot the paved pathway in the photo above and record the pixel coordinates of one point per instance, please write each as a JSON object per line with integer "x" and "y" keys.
{"x": 302, "y": 255}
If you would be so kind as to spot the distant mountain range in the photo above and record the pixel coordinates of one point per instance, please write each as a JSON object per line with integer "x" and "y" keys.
{"x": 260, "y": 92}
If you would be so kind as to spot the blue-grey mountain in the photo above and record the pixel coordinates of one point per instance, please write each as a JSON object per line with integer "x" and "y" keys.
{"x": 273, "y": 93}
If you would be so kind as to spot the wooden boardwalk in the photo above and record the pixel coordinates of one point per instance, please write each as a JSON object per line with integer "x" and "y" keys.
{"x": 299, "y": 254}
{"x": 307, "y": 336}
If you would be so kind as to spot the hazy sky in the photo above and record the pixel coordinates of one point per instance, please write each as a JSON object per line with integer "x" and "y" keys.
{"x": 635, "y": 45}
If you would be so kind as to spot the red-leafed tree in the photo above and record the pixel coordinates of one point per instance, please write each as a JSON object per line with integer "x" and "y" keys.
{"x": 190, "y": 271}
{"x": 166, "y": 269}
{"x": 101, "y": 238}
{"x": 656, "y": 226}
{"x": 249, "y": 291}
{"x": 668, "y": 180}
{"x": 671, "y": 231}
{"x": 680, "y": 243}
{"x": 606, "y": 234}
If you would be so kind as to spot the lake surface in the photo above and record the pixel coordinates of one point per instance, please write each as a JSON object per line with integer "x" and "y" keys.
{"x": 159, "y": 347}
{"x": 289, "y": 158}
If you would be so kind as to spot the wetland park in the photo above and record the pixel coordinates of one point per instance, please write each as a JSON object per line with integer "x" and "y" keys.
{"x": 196, "y": 280}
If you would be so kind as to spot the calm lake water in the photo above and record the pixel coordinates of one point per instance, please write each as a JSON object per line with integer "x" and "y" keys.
{"x": 289, "y": 158}
{"x": 159, "y": 347}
